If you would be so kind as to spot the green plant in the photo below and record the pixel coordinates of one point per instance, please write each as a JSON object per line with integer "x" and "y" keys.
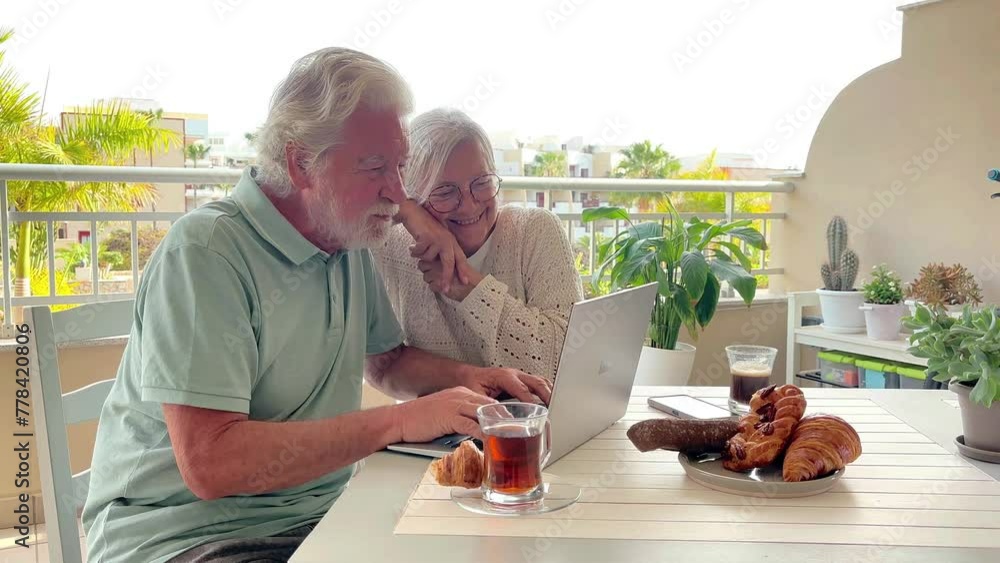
{"x": 885, "y": 287}
{"x": 120, "y": 241}
{"x": 74, "y": 255}
{"x": 841, "y": 271}
{"x": 40, "y": 286}
{"x": 940, "y": 286}
{"x": 688, "y": 260}
{"x": 102, "y": 134}
{"x": 111, "y": 259}
{"x": 966, "y": 349}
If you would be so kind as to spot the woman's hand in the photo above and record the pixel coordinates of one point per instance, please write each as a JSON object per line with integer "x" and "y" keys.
{"x": 455, "y": 289}
{"x": 432, "y": 240}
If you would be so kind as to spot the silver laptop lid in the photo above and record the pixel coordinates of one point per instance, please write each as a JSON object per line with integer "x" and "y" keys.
{"x": 597, "y": 367}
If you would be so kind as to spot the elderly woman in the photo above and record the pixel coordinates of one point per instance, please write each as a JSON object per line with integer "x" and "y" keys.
{"x": 508, "y": 302}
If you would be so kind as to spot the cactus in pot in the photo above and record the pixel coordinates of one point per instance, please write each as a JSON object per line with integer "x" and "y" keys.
{"x": 839, "y": 300}
{"x": 840, "y": 273}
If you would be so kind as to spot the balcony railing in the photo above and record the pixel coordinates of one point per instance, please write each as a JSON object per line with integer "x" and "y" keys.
{"x": 546, "y": 186}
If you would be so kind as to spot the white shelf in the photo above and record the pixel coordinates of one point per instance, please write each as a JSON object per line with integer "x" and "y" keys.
{"x": 816, "y": 336}
{"x": 857, "y": 344}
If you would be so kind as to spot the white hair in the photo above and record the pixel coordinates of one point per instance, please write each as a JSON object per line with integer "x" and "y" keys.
{"x": 310, "y": 106}
{"x": 433, "y": 137}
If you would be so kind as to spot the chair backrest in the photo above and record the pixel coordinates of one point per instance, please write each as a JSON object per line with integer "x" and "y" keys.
{"x": 63, "y": 493}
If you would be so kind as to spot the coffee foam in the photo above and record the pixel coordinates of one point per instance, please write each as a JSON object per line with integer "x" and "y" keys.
{"x": 750, "y": 369}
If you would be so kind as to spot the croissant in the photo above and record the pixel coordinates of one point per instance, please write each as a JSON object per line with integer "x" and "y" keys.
{"x": 764, "y": 432}
{"x": 821, "y": 444}
{"x": 461, "y": 468}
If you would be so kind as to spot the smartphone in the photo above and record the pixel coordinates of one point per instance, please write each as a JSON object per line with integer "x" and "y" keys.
{"x": 688, "y": 407}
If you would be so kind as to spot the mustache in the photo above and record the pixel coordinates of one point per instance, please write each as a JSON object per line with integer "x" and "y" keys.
{"x": 389, "y": 209}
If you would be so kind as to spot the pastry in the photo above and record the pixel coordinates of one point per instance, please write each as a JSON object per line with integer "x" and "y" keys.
{"x": 821, "y": 444}
{"x": 765, "y": 431}
{"x": 461, "y": 468}
{"x": 682, "y": 435}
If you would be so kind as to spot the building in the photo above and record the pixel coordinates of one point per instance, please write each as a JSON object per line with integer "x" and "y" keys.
{"x": 739, "y": 166}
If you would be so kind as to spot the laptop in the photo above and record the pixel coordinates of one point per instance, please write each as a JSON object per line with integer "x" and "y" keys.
{"x": 595, "y": 375}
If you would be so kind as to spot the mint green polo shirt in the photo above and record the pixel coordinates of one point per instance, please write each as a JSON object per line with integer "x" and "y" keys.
{"x": 236, "y": 311}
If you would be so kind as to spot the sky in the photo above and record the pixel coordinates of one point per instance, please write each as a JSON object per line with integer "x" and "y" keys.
{"x": 748, "y": 76}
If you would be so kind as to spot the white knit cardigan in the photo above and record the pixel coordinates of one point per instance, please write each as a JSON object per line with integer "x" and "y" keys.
{"x": 516, "y": 317}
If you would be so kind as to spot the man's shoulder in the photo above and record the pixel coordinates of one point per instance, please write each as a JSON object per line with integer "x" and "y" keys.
{"x": 216, "y": 226}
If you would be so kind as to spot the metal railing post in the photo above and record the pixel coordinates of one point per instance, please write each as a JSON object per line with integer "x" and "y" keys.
{"x": 50, "y": 243}
{"x": 8, "y": 309}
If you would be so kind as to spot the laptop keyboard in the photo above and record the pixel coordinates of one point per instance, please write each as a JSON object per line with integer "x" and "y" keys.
{"x": 453, "y": 440}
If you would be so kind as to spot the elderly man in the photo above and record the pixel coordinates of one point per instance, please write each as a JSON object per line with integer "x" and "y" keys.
{"x": 233, "y": 424}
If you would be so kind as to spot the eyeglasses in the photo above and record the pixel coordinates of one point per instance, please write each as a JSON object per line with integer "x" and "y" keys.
{"x": 448, "y": 197}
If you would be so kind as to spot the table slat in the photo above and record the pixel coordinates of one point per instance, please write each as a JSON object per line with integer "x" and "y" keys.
{"x": 732, "y": 514}
{"x": 570, "y": 467}
{"x": 698, "y": 531}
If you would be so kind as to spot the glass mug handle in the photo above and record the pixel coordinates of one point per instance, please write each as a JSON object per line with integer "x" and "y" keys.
{"x": 548, "y": 444}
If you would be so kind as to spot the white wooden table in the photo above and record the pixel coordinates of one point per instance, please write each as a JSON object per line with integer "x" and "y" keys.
{"x": 908, "y": 498}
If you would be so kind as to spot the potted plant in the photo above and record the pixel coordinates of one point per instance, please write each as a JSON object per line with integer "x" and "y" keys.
{"x": 689, "y": 260}
{"x": 947, "y": 287}
{"x": 76, "y": 258}
{"x": 884, "y": 309}
{"x": 966, "y": 352}
{"x": 839, "y": 301}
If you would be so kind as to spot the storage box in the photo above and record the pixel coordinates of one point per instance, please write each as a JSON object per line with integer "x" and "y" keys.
{"x": 839, "y": 369}
{"x": 910, "y": 377}
{"x": 876, "y": 374}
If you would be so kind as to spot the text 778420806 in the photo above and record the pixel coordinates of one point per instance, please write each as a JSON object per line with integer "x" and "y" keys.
{"x": 22, "y": 414}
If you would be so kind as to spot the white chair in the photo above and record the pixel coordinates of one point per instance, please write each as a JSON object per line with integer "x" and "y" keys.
{"x": 63, "y": 493}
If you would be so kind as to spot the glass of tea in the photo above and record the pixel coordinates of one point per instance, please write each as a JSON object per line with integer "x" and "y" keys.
{"x": 516, "y": 445}
{"x": 750, "y": 367}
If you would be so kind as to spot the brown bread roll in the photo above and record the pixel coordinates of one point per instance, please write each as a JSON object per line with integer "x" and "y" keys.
{"x": 682, "y": 435}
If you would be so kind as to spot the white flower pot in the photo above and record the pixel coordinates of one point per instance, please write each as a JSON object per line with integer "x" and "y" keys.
{"x": 82, "y": 273}
{"x": 884, "y": 322}
{"x": 665, "y": 367}
{"x": 953, "y": 310}
{"x": 841, "y": 312}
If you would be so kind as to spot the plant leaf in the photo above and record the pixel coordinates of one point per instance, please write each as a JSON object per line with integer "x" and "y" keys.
{"x": 982, "y": 393}
{"x": 706, "y": 306}
{"x": 694, "y": 273}
{"x": 744, "y": 283}
{"x": 737, "y": 253}
{"x": 608, "y": 213}
{"x": 749, "y": 235}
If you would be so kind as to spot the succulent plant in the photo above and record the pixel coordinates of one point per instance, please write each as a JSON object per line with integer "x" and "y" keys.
{"x": 940, "y": 286}
{"x": 840, "y": 273}
{"x": 884, "y": 288}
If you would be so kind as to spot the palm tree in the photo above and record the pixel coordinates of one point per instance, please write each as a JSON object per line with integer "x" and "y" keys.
{"x": 549, "y": 165}
{"x": 196, "y": 152}
{"x": 643, "y": 160}
{"x": 103, "y": 134}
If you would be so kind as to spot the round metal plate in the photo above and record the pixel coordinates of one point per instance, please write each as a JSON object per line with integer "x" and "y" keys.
{"x": 765, "y": 482}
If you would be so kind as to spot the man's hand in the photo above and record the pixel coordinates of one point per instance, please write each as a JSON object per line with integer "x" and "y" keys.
{"x": 445, "y": 412}
{"x": 455, "y": 289}
{"x": 493, "y": 382}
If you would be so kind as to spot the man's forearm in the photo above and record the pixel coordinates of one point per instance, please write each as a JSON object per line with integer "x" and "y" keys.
{"x": 406, "y": 373}
{"x": 244, "y": 454}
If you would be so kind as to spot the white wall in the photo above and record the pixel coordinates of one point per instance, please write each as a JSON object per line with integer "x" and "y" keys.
{"x": 903, "y": 152}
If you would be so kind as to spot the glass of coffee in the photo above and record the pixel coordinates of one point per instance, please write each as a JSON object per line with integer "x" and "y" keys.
{"x": 751, "y": 368}
{"x": 516, "y": 445}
